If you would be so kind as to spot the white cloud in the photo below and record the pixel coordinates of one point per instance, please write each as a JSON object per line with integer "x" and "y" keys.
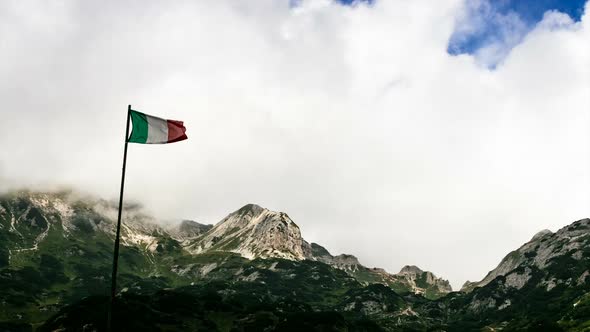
{"x": 354, "y": 120}
{"x": 494, "y": 32}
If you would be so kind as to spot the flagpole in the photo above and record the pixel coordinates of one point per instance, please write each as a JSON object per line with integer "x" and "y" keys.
{"x": 116, "y": 251}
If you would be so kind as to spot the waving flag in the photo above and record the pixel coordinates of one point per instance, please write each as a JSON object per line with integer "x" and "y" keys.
{"x": 149, "y": 129}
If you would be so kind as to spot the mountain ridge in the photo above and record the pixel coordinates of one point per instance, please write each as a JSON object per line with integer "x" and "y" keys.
{"x": 251, "y": 231}
{"x": 56, "y": 251}
{"x": 539, "y": 251}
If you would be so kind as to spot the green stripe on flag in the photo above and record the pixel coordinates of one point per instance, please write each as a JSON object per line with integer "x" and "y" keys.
{"x": 139, "y": 133}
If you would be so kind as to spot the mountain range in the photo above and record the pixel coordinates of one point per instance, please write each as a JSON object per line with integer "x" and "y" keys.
{"x": 253, "y": 270}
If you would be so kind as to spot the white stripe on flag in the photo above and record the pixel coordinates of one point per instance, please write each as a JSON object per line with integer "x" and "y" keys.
{"x": 157, "y": 130}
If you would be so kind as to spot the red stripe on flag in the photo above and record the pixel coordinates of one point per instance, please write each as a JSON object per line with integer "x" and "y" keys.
{"x": 176, "y": 131}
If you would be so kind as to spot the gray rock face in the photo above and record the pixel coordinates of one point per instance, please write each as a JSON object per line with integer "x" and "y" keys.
{"x": 541, "y": 234}
{"x": 253, "y": 231}
{"x": 539, "y": 253}
{"x": 550, "y": 268}
{"x": 346, "y": 262}
{"x": 67, "y": 213}
{"x": 518, "y": 280}
{"x": 410, "y": 279}
{"x": 188, "y": 229}
{"x": 468, "y": 286}
{"x": 420, "y": 280}
{"x": 411, "y": 270}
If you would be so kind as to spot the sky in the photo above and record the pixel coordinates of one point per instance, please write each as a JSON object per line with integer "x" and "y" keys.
{"x": 442, "y": 134}
{"x": 489, "y": 30}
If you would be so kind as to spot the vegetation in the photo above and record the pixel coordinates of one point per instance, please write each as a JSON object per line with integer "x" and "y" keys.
{"x": 57, "y": 276}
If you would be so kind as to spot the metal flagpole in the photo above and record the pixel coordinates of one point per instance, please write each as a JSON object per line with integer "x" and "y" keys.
{"x": 116, "y": 251}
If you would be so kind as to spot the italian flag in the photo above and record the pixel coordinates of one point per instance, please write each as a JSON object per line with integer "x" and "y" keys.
{"x": 149, "y": 129}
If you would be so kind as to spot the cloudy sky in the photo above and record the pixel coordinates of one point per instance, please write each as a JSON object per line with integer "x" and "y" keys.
{"x": 437, "y": 133}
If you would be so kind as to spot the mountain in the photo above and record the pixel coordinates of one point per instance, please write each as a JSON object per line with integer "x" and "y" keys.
{"x": 253, "y": 232}
{"x": 410, "y": 279}
{"x": 256, "y": 232}
{"x": 56, "y": 248}
{"x": 544, "y": 283}
{"x": 254, "y": 271}
{"x": 538, "y": 253}
{"x": 61, "y": 242}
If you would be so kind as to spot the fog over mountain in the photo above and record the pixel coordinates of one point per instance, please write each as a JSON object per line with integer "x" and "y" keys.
{"x": 352, "y": 119}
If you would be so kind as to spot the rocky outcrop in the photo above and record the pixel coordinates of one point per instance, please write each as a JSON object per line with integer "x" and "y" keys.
{"x": 468, "y": 286}
{"x": 544, "y": 249}
{"x": 346, "y": 262}
{"x": 188, "y": 229}
{"x": 421, "y": 281}
{"x": 252, "y": 232}
{"x": 410, "y": 279}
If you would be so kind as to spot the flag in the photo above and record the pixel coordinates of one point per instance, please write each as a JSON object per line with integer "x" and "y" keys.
{"x": 149, "y": 129}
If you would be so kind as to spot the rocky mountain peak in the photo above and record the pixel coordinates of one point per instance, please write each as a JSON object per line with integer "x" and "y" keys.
{"x": 253, "y": 231}
{"x": 188, "y": 229}
{"x": 411, "y": 270}
{"x": 346, "y": 262}
{"x": 541, "y": 234}
{"x": 250, "y": 210}
{"x": 243, "y": 216}
{"x": 424, "y": 281}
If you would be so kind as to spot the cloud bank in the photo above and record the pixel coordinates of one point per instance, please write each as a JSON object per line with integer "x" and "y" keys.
{"x": 353, "y": 119}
